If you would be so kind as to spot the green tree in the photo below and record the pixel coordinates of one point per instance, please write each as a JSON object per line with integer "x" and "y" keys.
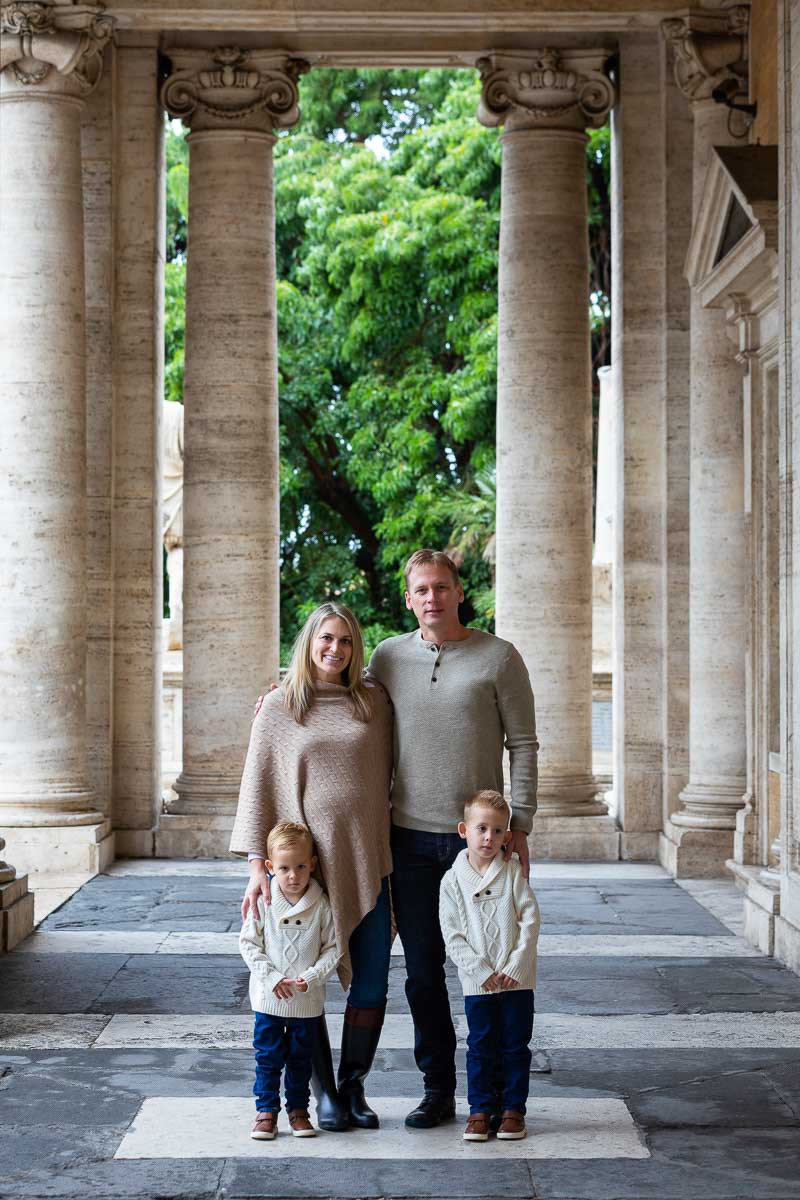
{"x": 387, "y": 218}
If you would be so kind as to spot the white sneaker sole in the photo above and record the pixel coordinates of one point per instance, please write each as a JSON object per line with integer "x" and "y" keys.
{"x": 262, "y": 1137}
{"x": 476, "y": 1137}
{"x": 512, "y": 1137}
{"x": 304, "y": 1133}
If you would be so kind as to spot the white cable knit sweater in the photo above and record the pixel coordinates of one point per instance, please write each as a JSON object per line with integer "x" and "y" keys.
{"x": 290, "y": 941}
{"x": 489, "y": 923}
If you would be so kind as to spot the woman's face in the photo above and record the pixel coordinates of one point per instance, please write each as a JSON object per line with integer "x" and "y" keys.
{"x": 331, "y": 650}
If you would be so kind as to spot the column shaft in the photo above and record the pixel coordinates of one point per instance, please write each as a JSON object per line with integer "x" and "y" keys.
{"x": 231, "y": 460}
{"x": 717, "y": 613}
{"x": 544, "y": 464}
{"x": 43, "y": 763}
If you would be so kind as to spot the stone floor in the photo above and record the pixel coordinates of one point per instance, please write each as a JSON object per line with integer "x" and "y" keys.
{"x": 666, "y": 1065}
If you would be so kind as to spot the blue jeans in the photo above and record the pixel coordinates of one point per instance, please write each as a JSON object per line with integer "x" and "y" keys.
{"x": 500, "y": 1029}
{"x": 370, "y": 954}
{"x": 282, "y": 1042}
{"x": 421, "y": 860}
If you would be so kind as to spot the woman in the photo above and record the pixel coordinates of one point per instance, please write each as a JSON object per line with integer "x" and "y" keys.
{"x": 321, "y": 753}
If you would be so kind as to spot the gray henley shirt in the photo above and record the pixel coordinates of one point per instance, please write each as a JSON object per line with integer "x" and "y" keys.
{"x": 455, "y": 707}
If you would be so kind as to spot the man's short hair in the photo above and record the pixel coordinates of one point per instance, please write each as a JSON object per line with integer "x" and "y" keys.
{"x": 488, "y": 798}
{"x": 286, "y": 834}
{"x": 431, "y": 558}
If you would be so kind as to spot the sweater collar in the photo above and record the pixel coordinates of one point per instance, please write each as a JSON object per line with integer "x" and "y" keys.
{"x": 306, "y": 901}
{"x": 470, "y": 877}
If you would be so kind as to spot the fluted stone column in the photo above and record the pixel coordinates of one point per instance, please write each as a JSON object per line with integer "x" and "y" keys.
{"x": 545, "y": 101}
{"x": 51, "y": 60}
{"x": 232, "y": 103}
{"x": 709, "y": 50}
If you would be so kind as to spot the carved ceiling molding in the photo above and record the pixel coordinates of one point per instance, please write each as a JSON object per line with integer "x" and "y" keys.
{"x": 710, "y": 49}
{"x": 55, "y": 46}
{"x": 229, "y": 87}
{"x": 558, "y": 88}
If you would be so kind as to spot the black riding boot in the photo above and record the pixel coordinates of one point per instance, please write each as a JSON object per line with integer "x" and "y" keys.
{"x": 360, "y": 1035}
{"x": 330, "y": 1114}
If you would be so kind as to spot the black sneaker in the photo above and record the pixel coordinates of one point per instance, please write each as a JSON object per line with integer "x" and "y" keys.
{"x": 432, "y": 1110}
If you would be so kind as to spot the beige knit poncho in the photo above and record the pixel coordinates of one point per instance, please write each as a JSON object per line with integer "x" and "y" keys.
{"x": 331, "y": 773}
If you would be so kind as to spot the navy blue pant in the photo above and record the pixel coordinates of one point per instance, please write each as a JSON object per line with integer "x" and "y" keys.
{"x": 421, "y": 859}
{"x": 500, "y": 1029}
{"x": 282, "y": 1042}
{"x": 370, "y": 954}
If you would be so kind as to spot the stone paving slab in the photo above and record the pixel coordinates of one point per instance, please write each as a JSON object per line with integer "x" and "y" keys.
{"x": 219, "y": 1127}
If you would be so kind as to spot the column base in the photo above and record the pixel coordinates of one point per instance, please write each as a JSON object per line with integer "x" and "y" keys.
{"x": 787, "y": 943}
{"x": 761, "y": 905}
{"x": 16, "y": 912}
{"x": 193, "y": 835}
{"x": 206, "y": 795}
{"x": 709, "y": 806}
{"x": 134, "y": 843}
{"x": 61, "y": 849}
{"x": 574, "y": 839}
{"x": 570, "y": 796}
{"x": 691, "y": 853}
{"x": 639, "y": 847}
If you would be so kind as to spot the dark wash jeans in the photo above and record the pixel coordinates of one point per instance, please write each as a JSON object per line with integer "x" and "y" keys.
{"x": 500, "y": 1030}
{"x": 282, "y": 1044}
{"x": 421, "y": 860}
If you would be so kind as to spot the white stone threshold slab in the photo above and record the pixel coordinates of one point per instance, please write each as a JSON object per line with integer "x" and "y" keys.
{"x": 552, "y": 1031}
{"x": 545, "y": 871}
{"x": 109, "y": 941}
{"x": 219, "y": 1127}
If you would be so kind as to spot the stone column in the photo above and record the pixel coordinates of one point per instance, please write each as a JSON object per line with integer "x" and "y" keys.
{"x": 139, "y": 246}
{"x": 544, "y": 448}
{"x": 232, "y": 101}
{"x": 710, "y": 51}
{"x": 51, "y": 59}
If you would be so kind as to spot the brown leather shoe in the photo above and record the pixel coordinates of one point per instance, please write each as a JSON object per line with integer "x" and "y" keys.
{"x": 300, "y": 1124}
{"x": 512, "y": 1126}
{"x": 477, "y": 1129}
{"x": 266, "y": 1126}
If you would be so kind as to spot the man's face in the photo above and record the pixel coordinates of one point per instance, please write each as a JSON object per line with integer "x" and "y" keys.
{"x": 433, "y": 597}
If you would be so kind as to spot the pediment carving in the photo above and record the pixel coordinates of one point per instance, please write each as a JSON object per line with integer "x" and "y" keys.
{"x": 734, "y": 243}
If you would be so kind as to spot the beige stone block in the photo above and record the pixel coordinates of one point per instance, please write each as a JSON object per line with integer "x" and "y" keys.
{"x": 787, "y": 943}
{"x": 16, "y": 922}
{"x": 695, "y": 853}
{"x": 759, "y": 926}
{"x": 63, "y": 849}
{"x": 194, "y": 835}
{"x": 574, "y": 839}
{"x": 13, "y": 891}
{"x": 638, "y": 847}
{"x": 134, "y": 843}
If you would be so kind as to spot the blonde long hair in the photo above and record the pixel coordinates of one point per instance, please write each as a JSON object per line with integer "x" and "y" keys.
{"x": 298, "y": 686}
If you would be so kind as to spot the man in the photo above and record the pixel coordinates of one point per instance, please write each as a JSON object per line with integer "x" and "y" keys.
{"x": 459, "y": 696}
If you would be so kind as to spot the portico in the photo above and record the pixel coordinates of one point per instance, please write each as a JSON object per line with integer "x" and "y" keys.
{"x": 705, "y": 387}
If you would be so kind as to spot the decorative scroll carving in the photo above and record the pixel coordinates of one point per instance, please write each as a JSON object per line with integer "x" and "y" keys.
{"x": 40, "y": 38}
{"x": 710, "y": 50}
{"x": 233, "y": 86}
{"x": 551, "y": 86}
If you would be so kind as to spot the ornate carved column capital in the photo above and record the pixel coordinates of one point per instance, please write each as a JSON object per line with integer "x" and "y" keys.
{"x": 710, "y": 50}
{"x": 232, "y": 88}
{"x": 52, "y": 47}
{"x": 546, "y": 88}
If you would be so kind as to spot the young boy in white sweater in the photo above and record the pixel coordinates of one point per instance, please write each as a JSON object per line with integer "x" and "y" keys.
{"x": 490, "y": 925}
{"x": 290, "y": 948}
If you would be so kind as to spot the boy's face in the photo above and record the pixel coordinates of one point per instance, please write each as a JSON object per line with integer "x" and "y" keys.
{"x": 485, "y": 832}
{"x": 292, "y": 867}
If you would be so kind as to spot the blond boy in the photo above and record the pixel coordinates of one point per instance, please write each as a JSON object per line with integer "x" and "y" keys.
{"x": 290, "y": 948}
{"x": 490, "y": 925}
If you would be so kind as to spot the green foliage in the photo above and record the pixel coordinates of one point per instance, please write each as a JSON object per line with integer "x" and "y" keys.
{"x": 387, "y": 213}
